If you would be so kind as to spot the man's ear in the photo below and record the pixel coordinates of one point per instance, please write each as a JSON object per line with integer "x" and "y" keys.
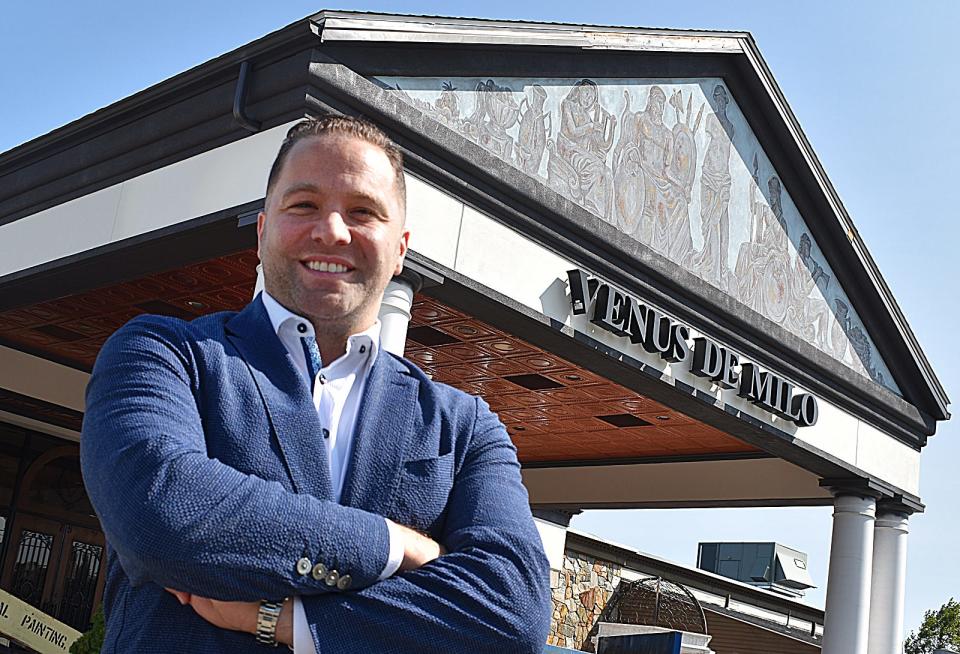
{"x": 404, "y": 242}
{"x": 261, "y": 218}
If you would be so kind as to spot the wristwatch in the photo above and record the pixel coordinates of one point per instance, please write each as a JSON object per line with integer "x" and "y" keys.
{"x": 267, "y": 618}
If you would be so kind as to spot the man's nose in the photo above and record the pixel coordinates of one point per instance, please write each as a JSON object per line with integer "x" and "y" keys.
{"x": 331, "y": 228}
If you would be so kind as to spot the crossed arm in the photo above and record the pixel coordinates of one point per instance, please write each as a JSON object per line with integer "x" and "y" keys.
{"x": 225, "y": 539}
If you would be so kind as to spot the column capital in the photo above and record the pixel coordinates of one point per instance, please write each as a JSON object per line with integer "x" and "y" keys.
{"x": 897, "y": 506}
{"x": 560, "y": 517}
{"x": 857, "y": 486}
{"x": 409, "y": 277}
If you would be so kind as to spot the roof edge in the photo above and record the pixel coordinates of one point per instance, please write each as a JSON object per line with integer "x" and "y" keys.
{"x": 843, "y": 218}
{"x": 304, "y": 27}
{"x": 362, "y": 27}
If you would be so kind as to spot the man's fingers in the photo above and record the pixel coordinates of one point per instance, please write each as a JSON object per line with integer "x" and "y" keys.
{"x": 418, "y": 549}
{"x": 182, "y": 596}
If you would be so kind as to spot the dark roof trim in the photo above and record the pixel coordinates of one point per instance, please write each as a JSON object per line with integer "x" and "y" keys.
{"x": 759, "y": 623}
{"x": 171, "y": 121}
{"x": 184, "y": 84}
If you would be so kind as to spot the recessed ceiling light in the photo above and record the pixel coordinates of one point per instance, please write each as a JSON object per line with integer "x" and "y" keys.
{"x": 196, "y": 305}
{"x": 533, "y": 382}
{"x": 663, "y": 417}
{"x": 624, "y": 420}
{"x": 427, "y": 335}
{"x": 572, "y": 377}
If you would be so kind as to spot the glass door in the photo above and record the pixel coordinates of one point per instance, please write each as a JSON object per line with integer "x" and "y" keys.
{"x": 56, "y": 567}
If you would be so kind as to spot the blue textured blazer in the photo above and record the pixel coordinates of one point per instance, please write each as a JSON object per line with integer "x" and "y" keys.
{"x": 201, "y": 456}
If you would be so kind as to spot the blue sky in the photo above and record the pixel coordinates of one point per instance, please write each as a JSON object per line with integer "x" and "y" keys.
{"x": 872, "y": 83}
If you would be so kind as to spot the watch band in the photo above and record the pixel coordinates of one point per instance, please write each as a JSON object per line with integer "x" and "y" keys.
{"x": 267, "y": 617}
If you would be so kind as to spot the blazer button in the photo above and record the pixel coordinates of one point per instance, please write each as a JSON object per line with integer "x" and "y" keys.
{"x": 304, "y": 565}
{"x": 319, "y": 572}
{"x": 344, "y": 582}
{"x": 333, "y": 577}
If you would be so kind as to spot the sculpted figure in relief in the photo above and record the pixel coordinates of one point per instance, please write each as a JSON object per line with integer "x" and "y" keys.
{"x": 577, "y": 164}
{"x": 495, "y": 112}
{"x": 807, "y": 316}
{"x": 715, "y": 181}
{"x": 535, "y": 126}
{"x": 762, "y": 262}
{"x": 668, "y": 177}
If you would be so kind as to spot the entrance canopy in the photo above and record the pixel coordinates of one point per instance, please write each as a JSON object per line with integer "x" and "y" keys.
{"x": 628, "y": 246}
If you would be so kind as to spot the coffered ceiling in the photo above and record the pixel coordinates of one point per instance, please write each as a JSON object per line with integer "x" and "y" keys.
{"x": 555, "y": 412}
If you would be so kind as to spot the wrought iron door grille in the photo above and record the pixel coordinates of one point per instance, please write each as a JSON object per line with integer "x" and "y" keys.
{"x": 30, "y": 568}
{"x": 80, "y": 584}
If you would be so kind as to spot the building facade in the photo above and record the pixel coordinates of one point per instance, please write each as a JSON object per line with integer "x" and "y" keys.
{"x": 621, "y": 240}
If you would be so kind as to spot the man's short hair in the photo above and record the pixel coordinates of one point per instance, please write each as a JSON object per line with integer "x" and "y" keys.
{"x": 347, "y": 126}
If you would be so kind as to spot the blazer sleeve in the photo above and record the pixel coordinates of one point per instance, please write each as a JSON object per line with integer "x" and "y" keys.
{"x": 489, "y": 593}
{"x": 177, "y": 517}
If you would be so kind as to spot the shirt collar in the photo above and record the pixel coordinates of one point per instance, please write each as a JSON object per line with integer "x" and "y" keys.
{"x": 280, "y": 317}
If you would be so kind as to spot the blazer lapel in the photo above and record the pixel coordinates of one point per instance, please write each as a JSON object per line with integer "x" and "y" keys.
{"x": 381, "y": 438}
{"x": 286, "y": 398}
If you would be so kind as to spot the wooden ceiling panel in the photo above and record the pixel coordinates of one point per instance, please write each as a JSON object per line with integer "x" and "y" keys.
{"x": 554, "y": 410}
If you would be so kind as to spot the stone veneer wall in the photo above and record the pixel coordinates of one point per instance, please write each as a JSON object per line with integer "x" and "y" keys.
{"x": 580, "y": 592}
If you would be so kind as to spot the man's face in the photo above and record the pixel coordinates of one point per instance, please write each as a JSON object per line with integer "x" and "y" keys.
{"x": 332, "y": 232}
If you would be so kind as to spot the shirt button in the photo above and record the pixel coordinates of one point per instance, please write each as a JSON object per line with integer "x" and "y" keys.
{"x": 319, "y": 572}
{"x": 363, "y": 348}
{"x": 303, "y": 566}
{"x": 325, "y": 432}
{"x": 322, "y": 379}
{"x": 301, "y": 328}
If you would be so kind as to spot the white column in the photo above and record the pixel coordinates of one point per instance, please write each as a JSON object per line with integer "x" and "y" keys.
{"x": 889, "y": 578}
{"x": 846, "y": 623}
{"x": 395, "y": 311}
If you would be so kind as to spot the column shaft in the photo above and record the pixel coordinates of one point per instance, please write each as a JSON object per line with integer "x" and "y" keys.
{"x": 889, "y": 578}
{"x": 395, "y": 315}
{"x": 846, "y": 624}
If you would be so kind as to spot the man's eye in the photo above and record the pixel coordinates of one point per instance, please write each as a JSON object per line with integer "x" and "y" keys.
{"x": 303, "y": 205}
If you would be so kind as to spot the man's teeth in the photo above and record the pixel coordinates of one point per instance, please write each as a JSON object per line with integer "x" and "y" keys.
{"x": 324, "y": 266}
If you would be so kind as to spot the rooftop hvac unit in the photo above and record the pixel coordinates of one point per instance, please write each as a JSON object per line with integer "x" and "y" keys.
{"x": 767, "y": 565}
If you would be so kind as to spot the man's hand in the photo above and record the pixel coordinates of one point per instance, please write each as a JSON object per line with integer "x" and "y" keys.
{"x": 418, "y": 549}
{"x": 237, "y": 616}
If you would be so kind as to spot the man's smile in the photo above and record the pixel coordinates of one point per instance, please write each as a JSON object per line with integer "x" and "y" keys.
{"x": 327, "y": 266}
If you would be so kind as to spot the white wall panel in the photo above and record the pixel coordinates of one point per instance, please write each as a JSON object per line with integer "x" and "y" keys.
{"x": 501, "y": 258}
{"x": 434, "y": 219}
{"x": 60, "y": 231}
{"x": 888, "y": 458}
{"x": 554, "y": 538}
{"x": 42, "y": 379}
{"x": 224, "y": 177}
{"x": 214, "y": 180}
{"x": 835, "y": 432}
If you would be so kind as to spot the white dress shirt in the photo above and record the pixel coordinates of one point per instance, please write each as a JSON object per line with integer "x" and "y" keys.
{"x": 337, "y": 392}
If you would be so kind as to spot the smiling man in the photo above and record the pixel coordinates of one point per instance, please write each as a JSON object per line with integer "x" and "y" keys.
{"x": 274, "y": 476}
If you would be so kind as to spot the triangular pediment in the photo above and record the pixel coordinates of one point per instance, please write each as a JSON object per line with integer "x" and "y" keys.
{"x": 674, "y": 165}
